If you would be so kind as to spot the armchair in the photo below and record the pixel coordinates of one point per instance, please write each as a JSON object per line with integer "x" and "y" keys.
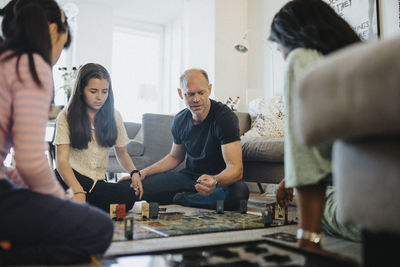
{"x": 353, "y": 100}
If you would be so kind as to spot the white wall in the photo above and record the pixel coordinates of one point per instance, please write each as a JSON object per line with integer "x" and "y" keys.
{"x": 230, "y": 66}
{"x": 199, "y": 35}
{"x": 94, "y": 34}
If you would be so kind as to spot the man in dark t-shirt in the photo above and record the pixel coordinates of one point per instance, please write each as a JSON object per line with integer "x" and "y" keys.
{"x": 207, "y": 132}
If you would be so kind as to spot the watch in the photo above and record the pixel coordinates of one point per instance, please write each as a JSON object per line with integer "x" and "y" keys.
{"x": 135, "y": 171}
{"x": 216, "y": 181}
{"x": 309, "y": 236}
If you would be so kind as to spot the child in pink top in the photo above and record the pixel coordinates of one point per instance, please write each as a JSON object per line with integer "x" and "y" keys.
{"x": 39, "y": 225}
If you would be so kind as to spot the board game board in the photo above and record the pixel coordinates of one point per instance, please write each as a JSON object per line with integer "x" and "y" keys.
{"x": 180, "y": 223}
{"x": 254, "y": 253}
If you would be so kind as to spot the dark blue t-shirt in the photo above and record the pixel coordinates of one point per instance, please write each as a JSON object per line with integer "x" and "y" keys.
{"x": 203, "y": 141}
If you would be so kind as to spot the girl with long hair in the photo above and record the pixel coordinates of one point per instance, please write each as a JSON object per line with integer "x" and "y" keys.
{"x": 85, "y": 133}
{"x": 38, "y": 224}
{"x": 305, "y": 31}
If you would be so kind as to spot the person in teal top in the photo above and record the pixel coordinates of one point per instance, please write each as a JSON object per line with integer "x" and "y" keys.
{"x": 305, "y": 31}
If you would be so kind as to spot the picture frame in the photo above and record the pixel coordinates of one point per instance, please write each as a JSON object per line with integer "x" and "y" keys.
{"x": 389, "y": 17}
{"x": 362, "y": 15}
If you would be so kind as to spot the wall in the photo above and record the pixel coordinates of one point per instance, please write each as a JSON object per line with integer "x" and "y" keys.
{"x": 94, "y": 34}
{"x": 230, "y": 66}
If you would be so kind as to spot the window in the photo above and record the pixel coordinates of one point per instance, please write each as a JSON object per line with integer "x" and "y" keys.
{"x": 137, "y": 71}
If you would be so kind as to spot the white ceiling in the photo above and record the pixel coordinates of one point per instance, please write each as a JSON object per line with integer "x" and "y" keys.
{"x": 155, "y": 10}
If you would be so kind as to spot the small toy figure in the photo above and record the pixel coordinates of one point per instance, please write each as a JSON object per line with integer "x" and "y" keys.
{"x": 243, "y": 206}
{"x": 113, "y": 211}
{"x": 145, "y": 210}
{"x": 121, "y": 212}
{"x": 129, "y": 228}
{"x": 267, "y": 216}
{"x": 220, "y": 206}
{"x": 153, "y": 210}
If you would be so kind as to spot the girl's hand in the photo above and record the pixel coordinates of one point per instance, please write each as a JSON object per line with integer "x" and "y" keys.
{"x": 137, "y": 185}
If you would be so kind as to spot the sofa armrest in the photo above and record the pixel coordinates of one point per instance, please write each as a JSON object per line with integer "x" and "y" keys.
{"x": 353, "y": 93}
{"x": 244, "y": 122}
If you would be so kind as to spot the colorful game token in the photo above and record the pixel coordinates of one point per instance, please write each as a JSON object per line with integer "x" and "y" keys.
{"x": 243, "y": 206}
{"x": 267, "y": 216}
{"x": 129, "y": 228}
{"x": 153, "y": 210}
{"x": 113, "y": 211}
{"x": 145, "y": 210}
{"x": 121, "y": 212}
{"x": 220, "y": 206}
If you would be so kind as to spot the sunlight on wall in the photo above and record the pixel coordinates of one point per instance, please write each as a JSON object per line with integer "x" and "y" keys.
{"x": 136, "y": 73}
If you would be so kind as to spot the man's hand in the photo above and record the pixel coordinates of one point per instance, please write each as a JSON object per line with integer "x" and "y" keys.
{"x": 136, "y": 184}
{"x": 283, "y": 195}
{"x": 205, "y": 184}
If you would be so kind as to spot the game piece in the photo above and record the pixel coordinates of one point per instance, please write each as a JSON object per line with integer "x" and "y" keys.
{"x": 162, "y": 209}
{"x": 121, "y": 212}
{"x": 281, "y": 212}
{"x": 243, "y": 206}
{"x": 220, "y": 206}
{"x": 129, "y": 228}
{"x": 113, "y": 211}
{"x": 266, "y": 216}
{"x": 272, "y": 206}
{"x": 145, "y": 210}
{"x": 153, "y": 210}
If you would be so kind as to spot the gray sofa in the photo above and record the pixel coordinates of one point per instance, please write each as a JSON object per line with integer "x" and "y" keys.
{"x": 353, "y": 99}
{"x": 151, "y": 140}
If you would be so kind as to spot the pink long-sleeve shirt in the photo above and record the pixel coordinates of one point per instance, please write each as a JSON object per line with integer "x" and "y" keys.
{"x": 24, "y": 108}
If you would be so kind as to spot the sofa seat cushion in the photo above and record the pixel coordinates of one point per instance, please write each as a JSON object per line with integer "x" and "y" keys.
{"x": 134, "y": 148}
{"x": 262, "y": 149}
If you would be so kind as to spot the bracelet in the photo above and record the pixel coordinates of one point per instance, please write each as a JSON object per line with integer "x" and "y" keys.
{"x": 309, "y": 236}
{"x": 135, "y": 171}
{"x": 80, "y": 192}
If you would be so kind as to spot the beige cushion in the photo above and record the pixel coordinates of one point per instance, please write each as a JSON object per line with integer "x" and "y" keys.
{"x": 262, "y": 149}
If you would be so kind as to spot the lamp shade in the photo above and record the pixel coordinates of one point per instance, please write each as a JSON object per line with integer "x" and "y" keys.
{"x": 242, "y": 45}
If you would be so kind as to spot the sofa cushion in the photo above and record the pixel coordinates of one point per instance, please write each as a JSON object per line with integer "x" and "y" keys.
{"x": 134, "y": 148}
{"x": 262, "y": 149}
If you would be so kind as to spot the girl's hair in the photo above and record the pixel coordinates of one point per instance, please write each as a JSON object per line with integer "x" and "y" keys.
{"x": 78, "y": 118}
{"x": 25, "y": 27}
{"x": 311, "y": 24}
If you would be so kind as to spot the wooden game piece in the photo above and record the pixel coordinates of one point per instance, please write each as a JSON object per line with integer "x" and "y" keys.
{"x": 267, "y": 216}
{"x": 243, "y": 206}
{"x": 121, "y": 212}
{"x": 129, "y": 228}
{"x": 145, "y": 210}
{"x": 281, "y": 213}
{"x": 220, "y": 206}
{"x": 153, "y": 210}
{"x": 113, "y": 211}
